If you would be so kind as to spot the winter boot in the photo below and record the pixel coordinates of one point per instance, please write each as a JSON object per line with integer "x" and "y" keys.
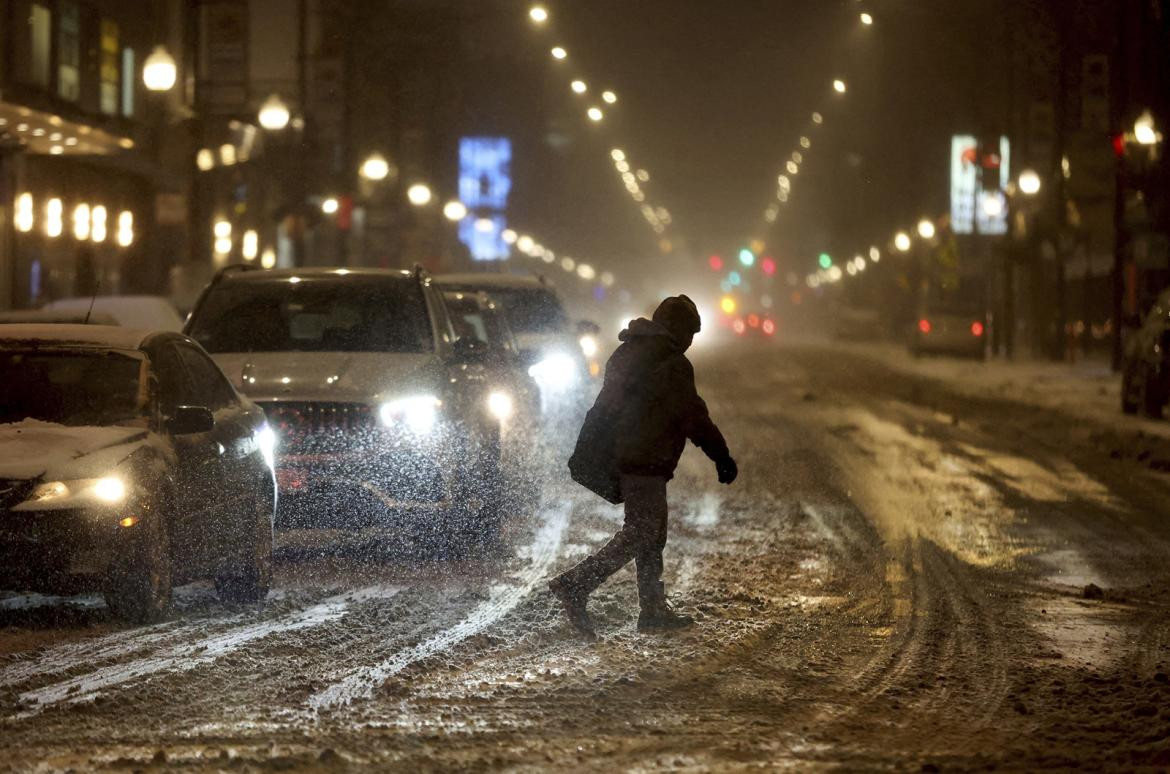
{"x": 574, "y": 604}
{"x": 657, "y": 616}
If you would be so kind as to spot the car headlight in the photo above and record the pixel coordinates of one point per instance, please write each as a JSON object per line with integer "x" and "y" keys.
{"x": 108, "y": 490}
{"x": 558, "y": 371}
{"x": 266, "y": 442}
{"x": 588, "y": 345}
{"x": 499, "y": 403}
{"x": 419, "y": 413}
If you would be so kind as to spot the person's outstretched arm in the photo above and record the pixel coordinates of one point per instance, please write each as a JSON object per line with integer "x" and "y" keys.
{"x": 697, "y": 423}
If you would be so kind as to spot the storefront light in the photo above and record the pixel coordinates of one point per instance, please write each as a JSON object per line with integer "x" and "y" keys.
{"x": 222, "y": 229}
{"x": 53, "y": 212}
{"x": 24, "y": 212}
{"x": 227, "y": 154}
{"x": 159, "y": 72}
{"x": 97, "y": 231}
{"x": 205, "y": 160}
{"x": 125, "y": 228}
{"x": 223, "y": 245}
{"x": 81, "y": 222}
{"x": 268, "y": 259}
{"x": 250, "y": 245}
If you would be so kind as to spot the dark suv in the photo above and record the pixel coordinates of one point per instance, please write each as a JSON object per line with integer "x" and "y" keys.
{"x": 367, "y": 387}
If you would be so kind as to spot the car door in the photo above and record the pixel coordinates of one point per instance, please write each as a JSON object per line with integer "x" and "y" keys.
{"x": 197, "y": 470}
{"x": 237, "y": 476}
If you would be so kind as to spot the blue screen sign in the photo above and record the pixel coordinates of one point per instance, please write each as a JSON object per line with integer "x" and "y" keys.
{"x": 485, "y": 180}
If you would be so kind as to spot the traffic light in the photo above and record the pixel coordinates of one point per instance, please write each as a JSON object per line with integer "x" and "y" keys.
{"x": 825, "y": 260}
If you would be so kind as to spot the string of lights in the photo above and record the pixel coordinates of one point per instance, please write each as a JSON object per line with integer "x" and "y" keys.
{"x": 583, "y": 270}
{"x": 658, "y": 217}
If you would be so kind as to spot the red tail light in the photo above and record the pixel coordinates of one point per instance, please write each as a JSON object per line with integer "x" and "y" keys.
{"x": 976, "y": 328}
{"x": 738, "y": 326}
{"x": 753, "y": 321}
{"x": 924, "y": 325}
{"x": 769, "y": 327}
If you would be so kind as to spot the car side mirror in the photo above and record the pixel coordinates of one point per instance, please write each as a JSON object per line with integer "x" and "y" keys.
{"x": 588, "y": 328}
{"x": 188, "y": 420}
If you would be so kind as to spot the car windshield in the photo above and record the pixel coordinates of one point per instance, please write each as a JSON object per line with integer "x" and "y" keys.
{"x": 71, "y": 387}
{"x": 473, "y": 321}
{"x": 343, "y": 314}
{"x": 534, "y": 310}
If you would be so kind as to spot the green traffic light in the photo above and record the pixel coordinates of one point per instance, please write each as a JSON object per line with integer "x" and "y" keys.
{"x": 826, "y": 261}
{"x": 747, "y": 257}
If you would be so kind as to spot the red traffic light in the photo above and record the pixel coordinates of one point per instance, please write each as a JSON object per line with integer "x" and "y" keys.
{"x": 768, "y": 264}
{"x": 715, "y": 262}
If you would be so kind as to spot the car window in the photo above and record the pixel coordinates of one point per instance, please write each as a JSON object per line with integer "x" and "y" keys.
{"x": 334, "y": 314}
{"x": 532, "y": 310}
{"x": 210, "y": 387}
{"x": 72, "y": 387}
{"x": 174, "y": 385}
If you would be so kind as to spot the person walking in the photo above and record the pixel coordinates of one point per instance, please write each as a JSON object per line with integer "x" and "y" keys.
{"x": 627, "y": 451}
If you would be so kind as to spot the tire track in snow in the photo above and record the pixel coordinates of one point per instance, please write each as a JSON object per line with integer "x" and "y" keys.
{"x": 189, "y": 655}
{"x": 361, "y": 682}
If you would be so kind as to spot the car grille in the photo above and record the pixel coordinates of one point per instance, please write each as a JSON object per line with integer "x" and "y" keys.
{"x": 304, "y": 427}
{"x": 14, "y": 492}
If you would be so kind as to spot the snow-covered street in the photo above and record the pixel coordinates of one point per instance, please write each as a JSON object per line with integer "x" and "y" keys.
{"x": 912, "y": 571}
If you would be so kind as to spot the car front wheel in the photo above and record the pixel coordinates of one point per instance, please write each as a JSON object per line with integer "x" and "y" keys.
{"x": 138, "y": 585}
{"x": 251, "y": 578}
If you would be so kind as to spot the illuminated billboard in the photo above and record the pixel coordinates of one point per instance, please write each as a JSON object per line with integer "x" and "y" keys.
{"x": 485, "y": 180}
{"x": 979, "y": 178}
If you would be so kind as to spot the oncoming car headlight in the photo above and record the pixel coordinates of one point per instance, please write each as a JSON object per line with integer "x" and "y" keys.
{"x": 108, "y": 490}
{"x": 558, "y": 371}
{"x": 499, "y": 403}
{"x": 588, "y": 345}
{"x": 419, "y": 413}
{"x": 266, "y": 441}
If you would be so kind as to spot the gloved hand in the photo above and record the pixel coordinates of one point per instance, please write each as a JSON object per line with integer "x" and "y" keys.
{"x": 727, "y": 470}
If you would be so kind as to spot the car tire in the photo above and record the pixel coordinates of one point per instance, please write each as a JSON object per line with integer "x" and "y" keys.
{"x": 252, "y": 578}
{"x": 1129, "y": 401}
{"x": 138, "y": 586}
{"x": 1153, "y": 394}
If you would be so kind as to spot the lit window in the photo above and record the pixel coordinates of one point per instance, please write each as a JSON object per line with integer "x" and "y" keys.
{"x": 110, "y": 80}
{"x": 40, "y": 23}
{"x": 69, "y": 53}
{"x": 128, "y": 82}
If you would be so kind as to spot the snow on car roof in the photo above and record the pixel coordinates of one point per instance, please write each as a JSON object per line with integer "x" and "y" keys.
{"x": 492, "y": 280}
{"x": 109, "y": 336}
{"x": 313, "y": 273}
{"x": 143, "y": 312}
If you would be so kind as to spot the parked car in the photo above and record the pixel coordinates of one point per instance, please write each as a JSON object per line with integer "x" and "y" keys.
{"x": 952, "y": 322}
{"x": 128, "y": 463}
{"x": 1145, "y": 372}
{"x": 549, "y": 343}
{"x": 502, "y": 379}
{"x": 153, "y": 313}
{"x": 368, "y": 389}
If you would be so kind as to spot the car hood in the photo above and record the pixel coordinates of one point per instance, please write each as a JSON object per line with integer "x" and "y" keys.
{"x": 34, "y": 449}
{"x": 364, "y": 377}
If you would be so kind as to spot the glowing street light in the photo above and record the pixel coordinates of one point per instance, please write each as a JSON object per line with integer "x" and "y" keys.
{"x": 926, "y": 229}
{"x": 375, "y": 167}
{"x": 1144, "y": 130}
{"x": 274, "y": 114}
{"x": 419, "y": 194}
{"x": 558, "y": 52}
{"x": 992, "y": 206}
{"x": 538, "y": 14}
{"x": 159, "y": 72}
{"x": 839, "y": 86}
{"x": 579, "y": 87}
{"x": 330, "y": 206}
{"x": 1029, "y": 182}
{"x": 595, "y": 114}
{"x": 617, "y": 154}
{"x": 902, "y": 242}
{"x": 609, "y": 97}
{"x": 454, "y": 210}
{"x": 866, "y": 19}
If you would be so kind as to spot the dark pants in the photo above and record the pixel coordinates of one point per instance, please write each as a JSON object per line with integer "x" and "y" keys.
{"x": 642, "y": 538}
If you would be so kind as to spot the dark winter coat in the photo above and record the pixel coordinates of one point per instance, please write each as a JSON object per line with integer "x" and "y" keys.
{"x": 647, "y": 409}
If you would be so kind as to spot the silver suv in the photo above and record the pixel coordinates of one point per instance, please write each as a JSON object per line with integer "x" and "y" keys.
{"x": 361, "y": 376}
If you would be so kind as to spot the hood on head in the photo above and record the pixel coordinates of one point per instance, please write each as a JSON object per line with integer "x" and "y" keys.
{"x": 643, "y": 328}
